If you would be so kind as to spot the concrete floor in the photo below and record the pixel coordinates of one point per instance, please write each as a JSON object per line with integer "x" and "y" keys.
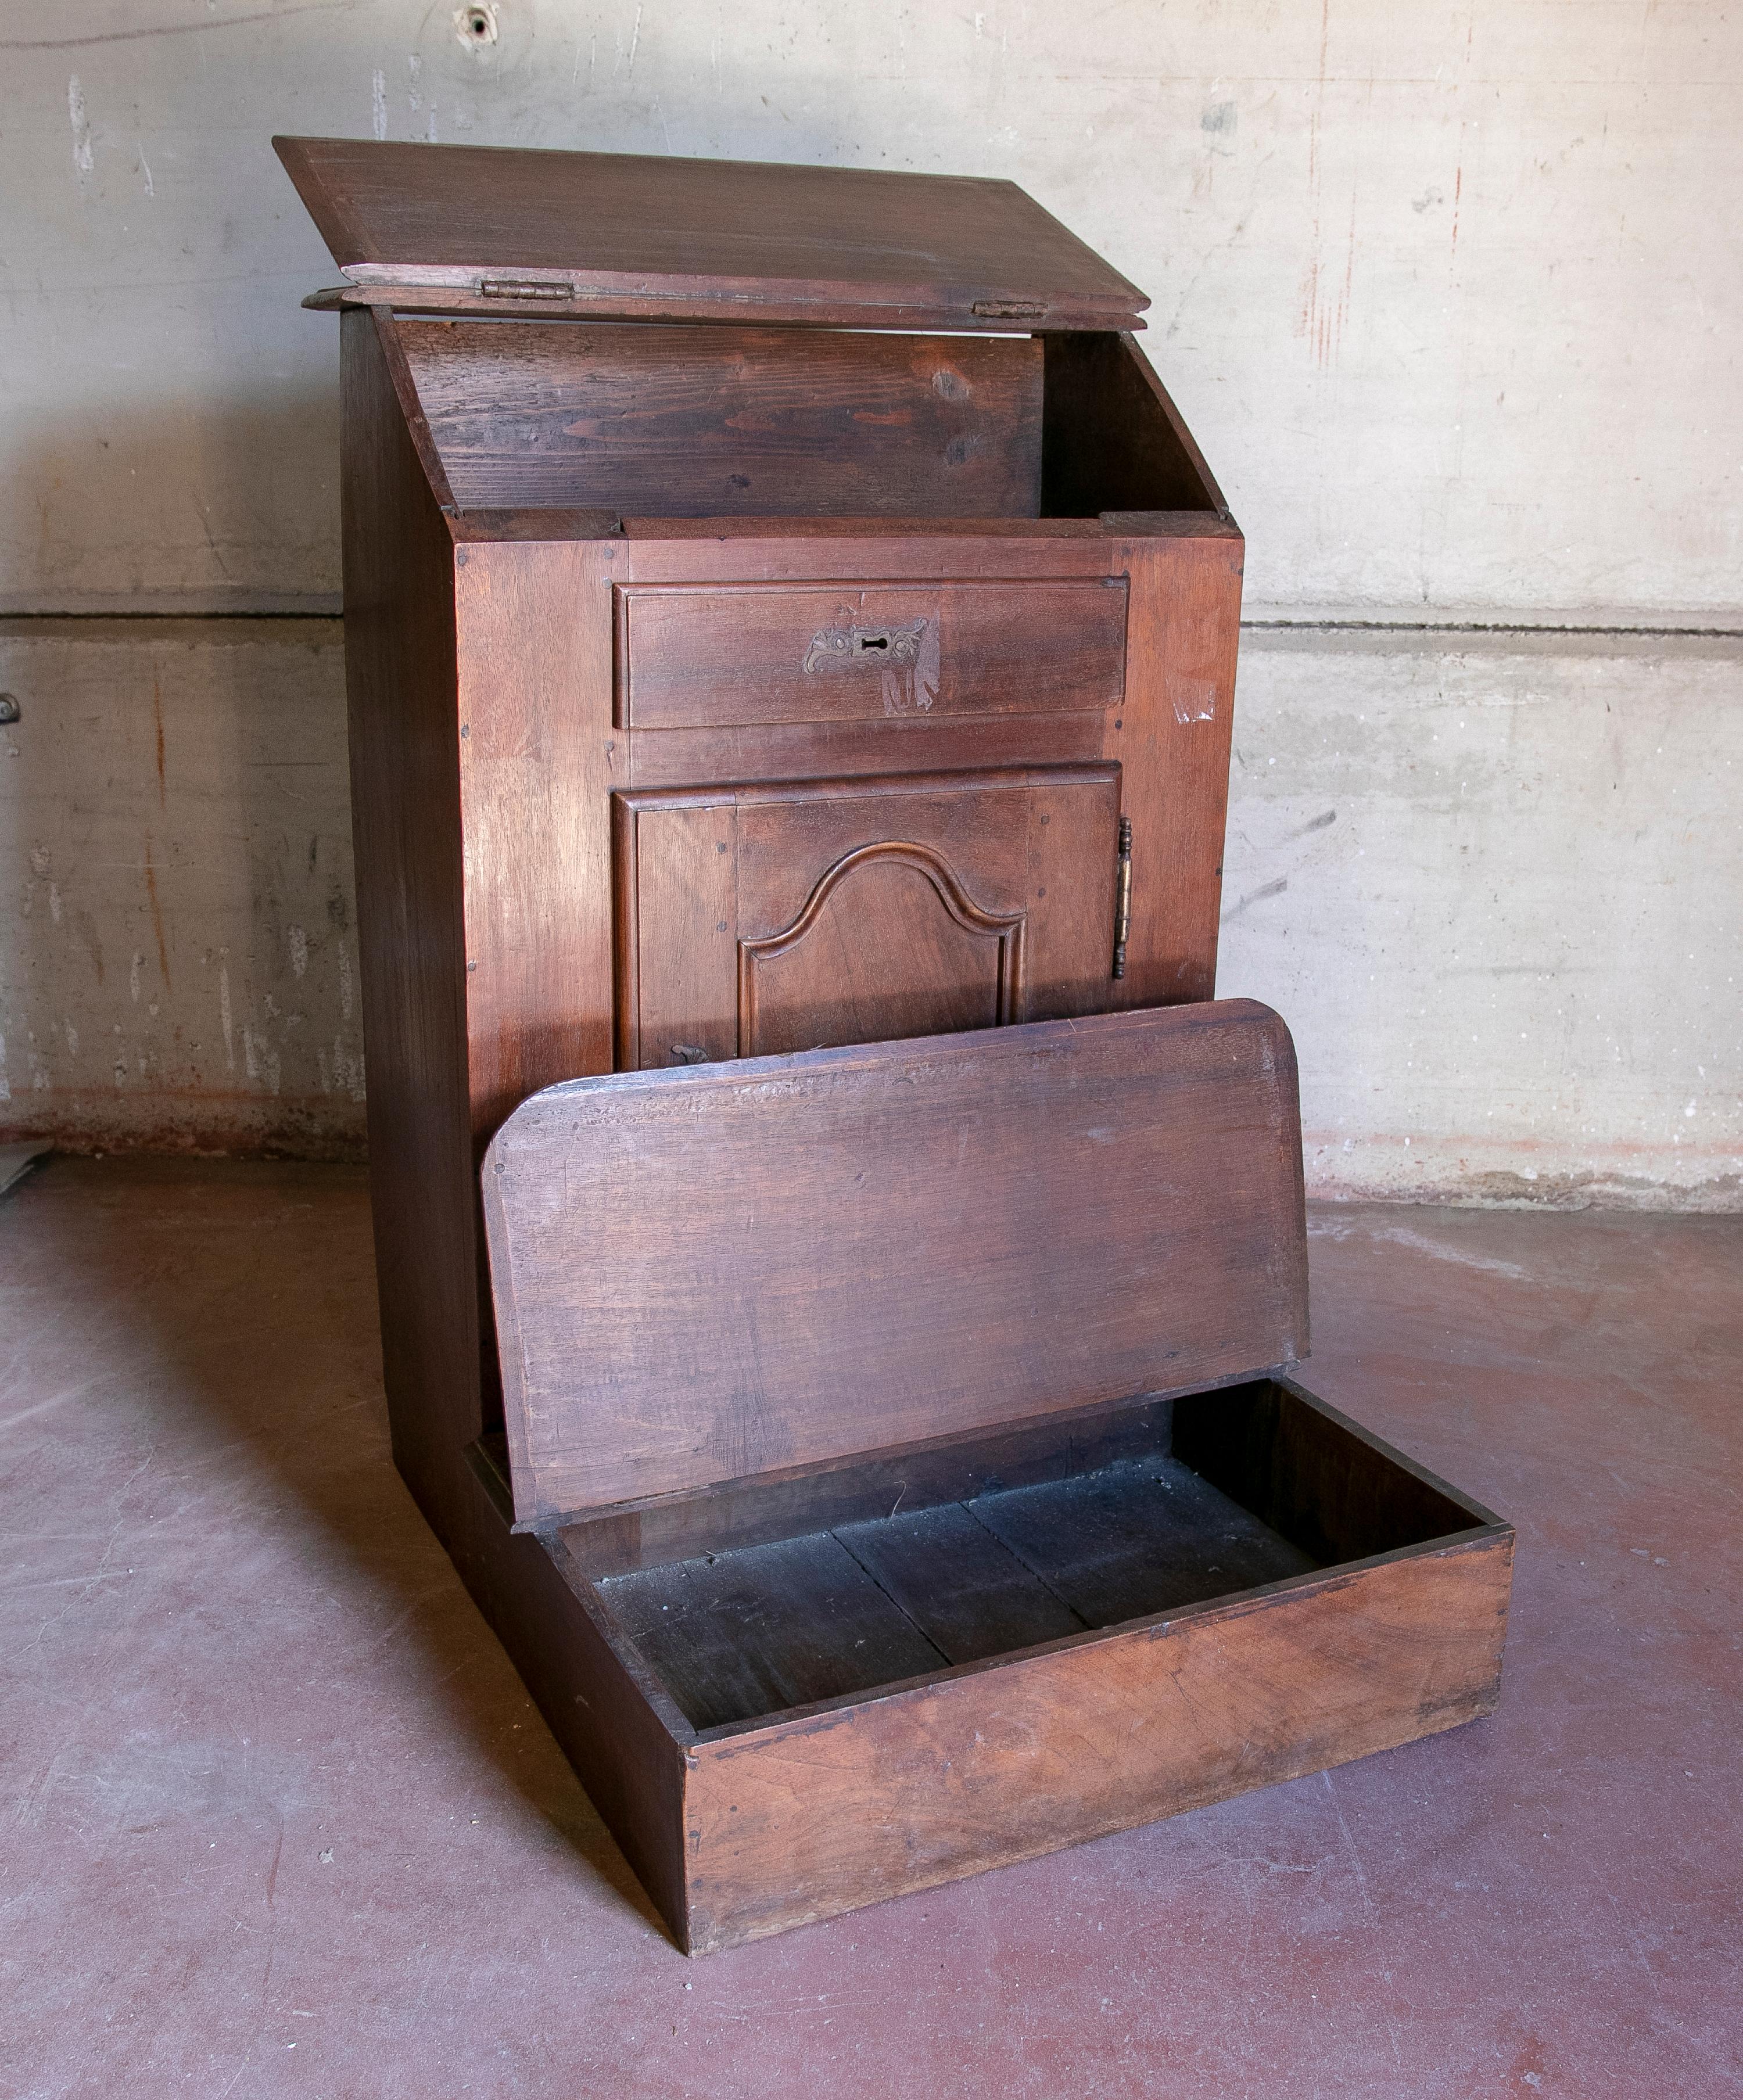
{"x": 281, "y": 1820}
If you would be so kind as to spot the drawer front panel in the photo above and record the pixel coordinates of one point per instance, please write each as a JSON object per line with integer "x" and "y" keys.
{"x": 781, "y": 917}
{"x": 806, "y": 1818}
{"x": 827, "y": 652}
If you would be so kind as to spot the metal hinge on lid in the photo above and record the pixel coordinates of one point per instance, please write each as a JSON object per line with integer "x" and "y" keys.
{"x": 521, "y": 288}
{"x": 1122, "y": 898}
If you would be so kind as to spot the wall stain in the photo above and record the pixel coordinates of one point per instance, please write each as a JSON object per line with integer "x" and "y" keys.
{"x": 157, "y": 909}
{"x": 163, "y": 794}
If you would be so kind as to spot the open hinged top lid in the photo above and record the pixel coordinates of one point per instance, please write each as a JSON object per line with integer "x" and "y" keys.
{"x": 490, "y": 228}
{"x": 725, "y": 1270}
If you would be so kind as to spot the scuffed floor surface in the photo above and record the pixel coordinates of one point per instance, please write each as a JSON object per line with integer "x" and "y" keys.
{"x": 280, "y": 1820}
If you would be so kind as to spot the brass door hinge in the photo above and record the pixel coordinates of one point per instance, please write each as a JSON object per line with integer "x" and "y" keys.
{"x": 1122, "y": 898}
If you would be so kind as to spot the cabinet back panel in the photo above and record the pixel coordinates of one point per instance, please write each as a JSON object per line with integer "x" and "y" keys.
{"x": 700, "y": 422}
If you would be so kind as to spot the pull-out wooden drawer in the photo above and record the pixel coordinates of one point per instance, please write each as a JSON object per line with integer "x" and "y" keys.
{"x": 778, "y": 917}
{"x": 691, "y": 658}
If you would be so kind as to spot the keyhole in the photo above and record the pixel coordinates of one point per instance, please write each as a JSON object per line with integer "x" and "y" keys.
{"x": 864, "y": 644}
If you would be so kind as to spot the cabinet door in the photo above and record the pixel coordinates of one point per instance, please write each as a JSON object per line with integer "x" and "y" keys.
{"x": 758, "y": 920}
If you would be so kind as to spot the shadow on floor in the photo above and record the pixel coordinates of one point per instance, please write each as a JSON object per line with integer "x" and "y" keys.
{"x": 229, "y": 1309}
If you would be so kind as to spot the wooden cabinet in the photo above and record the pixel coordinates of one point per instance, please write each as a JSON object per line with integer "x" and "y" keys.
{"x": 782, "y": 608}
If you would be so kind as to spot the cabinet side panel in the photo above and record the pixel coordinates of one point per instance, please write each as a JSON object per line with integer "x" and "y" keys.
{"x": 537, "y": 760}
{"x": 604, "y": 1707}
{"x": 405, "y": 812}
{"x": 809, "y": 1817}
{"x": 1173, "y": 741}
{"x": 1111, "y": 438}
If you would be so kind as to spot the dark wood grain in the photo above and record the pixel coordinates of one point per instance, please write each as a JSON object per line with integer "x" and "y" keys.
{"x": 1147, "y": 1535}
{"x": 537, "y": 760}
{"x": 1172, "y": 740}
{"x": 968, "y": 1593}
{"x": 974, "y": 1287}
{"x": 540, "y": 524}
{"x": 725, "y": 422}
{"x": 615, "y": 1720}
{"x": 895, "y": 744}
{"x": 1313, "y": 1475}
{"x": 745, "y": 1634}
{"x": 879, "y": 1788}
{"x": 645, "y": 236}
{"x": 944, "y": 1235}
{"x": 772, "y": 1626}
{"x": 694, "y": 551}
{"x": 760, "y": 653}
{"x": 907, "y": 1478}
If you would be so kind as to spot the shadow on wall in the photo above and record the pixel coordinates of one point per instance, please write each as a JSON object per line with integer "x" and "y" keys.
{"x": 175, "y": 856}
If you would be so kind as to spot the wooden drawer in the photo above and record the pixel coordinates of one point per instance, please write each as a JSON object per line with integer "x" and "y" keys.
{"x": 692, "y": 658}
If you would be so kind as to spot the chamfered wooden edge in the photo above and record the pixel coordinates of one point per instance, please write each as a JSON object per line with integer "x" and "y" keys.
{"x": 405, "y": 295}
{"x": 1110, "y": 528}
{"x": 526, "y": 523}
{"x": 535, "y": 1514}
{"x": 738, "y": 1073}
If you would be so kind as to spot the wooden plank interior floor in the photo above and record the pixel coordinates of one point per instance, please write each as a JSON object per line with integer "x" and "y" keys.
{"x": 746, "y": 1633}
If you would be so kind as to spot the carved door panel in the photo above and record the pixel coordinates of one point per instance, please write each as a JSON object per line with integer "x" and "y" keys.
{"x": 758, "y": 920}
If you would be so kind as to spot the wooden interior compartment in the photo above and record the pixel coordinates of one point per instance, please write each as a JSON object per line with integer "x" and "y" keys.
{"x": 654, "y": 420}
{"x": 1187, "y": 1502}
{"x": 643, "y": 419}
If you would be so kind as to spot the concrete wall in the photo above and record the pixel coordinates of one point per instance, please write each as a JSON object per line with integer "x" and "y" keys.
{"x": 1452, "y": 299}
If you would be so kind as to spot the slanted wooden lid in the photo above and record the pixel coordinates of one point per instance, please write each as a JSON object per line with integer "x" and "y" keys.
{"x": 492, "y": 228}
{"x": 724, "y": 1270}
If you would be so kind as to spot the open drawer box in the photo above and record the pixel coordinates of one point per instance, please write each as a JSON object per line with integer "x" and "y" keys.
{"x": 909, "y": 1425}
